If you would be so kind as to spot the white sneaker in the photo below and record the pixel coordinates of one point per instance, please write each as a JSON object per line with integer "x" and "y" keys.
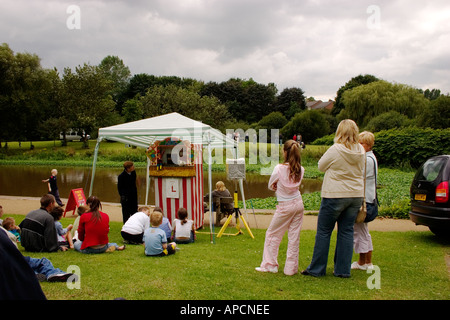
{"x": 369, "y": 266}
{"x": 356, "y": 265}
{"x": 272, "y": 269}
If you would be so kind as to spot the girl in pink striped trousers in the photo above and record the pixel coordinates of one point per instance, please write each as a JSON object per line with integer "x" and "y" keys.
{"x": 285, "y": 181}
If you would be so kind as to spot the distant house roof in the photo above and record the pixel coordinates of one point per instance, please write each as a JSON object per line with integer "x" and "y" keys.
{"x": 317, "y": 105}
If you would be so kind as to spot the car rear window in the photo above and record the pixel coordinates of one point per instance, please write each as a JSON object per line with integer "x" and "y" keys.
{"x": 430, "y": 169}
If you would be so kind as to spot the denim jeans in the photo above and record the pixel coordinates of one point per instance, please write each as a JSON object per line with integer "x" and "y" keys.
{"x": 186, "y": 241}
{"x": 332, "y": 210}
{"x": 77, "y": 247}
{"x": 43, "y": 266}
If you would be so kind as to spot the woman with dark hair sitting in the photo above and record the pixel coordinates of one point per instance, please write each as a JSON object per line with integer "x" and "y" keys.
{"x": 93, "y": 230}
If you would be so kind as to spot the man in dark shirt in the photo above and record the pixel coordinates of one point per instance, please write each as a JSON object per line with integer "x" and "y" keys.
{"x": 38, "y": 232}
{"x": 18, "y": 280}
{"x": 126, "y": 185}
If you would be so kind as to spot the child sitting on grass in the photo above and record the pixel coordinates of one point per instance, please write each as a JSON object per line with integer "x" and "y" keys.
{"x": 64, "y": 234}
{"x": 10, "y": 225}
{"x": 155, "y": 239}
{"x": 80, "y": 210}
{"x": 165, "y": 225}
{"x": 183, "y": 230}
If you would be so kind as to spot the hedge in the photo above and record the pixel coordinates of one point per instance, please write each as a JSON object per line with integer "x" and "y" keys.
{"x": 410, "y": 147}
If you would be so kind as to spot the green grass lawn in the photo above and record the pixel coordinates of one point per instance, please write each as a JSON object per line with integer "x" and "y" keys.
{"x": 412, "y": 266}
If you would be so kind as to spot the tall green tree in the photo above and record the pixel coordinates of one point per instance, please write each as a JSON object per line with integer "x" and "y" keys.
{"x": 365, "y": 102}
{"x": 311, "y": 124}
{"x": 117, "y": 73}
{"x": 25, "y": 89}
{"x": 352, "y": 83}
{"x": 437, "y": 115}
{"x": 86, "y": 100}
{"x": 290, "y": 101}
{"x": 246, "y": 100}
{"x": 165, "y": 99}
{"x": 140, "y": 83}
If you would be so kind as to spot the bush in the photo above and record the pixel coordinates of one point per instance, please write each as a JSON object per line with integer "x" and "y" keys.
{"x": 410, "y": 147}
{"x": 324, "y": 141}
{"x": 387, "y": 120}
{"x": 310, "y": 124}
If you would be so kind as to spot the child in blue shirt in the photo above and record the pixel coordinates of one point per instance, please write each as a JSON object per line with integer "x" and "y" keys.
{"x": 155, "y": 239}
{"x": 165, "y": 225}
{"x": 64, "y": 235}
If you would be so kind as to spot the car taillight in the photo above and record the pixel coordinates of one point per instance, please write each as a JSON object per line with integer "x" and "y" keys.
{"x": 442, "y": 192}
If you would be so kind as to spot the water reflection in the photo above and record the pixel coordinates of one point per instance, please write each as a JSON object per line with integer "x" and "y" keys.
{"x": 27, "y": 181}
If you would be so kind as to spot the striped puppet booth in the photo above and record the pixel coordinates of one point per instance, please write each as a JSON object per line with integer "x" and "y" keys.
{"x": 177, "y": 171}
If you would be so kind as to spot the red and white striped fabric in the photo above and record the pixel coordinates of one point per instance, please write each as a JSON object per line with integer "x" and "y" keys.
{"x": 190, "y": 193}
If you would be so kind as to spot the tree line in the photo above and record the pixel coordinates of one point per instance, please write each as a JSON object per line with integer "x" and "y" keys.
{"x": 38, "y": 103}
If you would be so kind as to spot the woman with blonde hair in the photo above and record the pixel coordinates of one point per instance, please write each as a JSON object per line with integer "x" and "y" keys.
{"x": 342, "y": 196}
{"x": 221, "y": 191}
{"x": 285, "y": 181}
{"x": 362, "y": 238}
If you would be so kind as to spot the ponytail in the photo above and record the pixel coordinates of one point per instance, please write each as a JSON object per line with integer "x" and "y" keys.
{"x": 291, "y": 150}
{"x": 94, "y": 204}
{"x": 182, "y": 215}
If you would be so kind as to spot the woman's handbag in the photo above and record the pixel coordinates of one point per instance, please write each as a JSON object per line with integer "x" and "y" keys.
{"x": 372, "y": 211}
{"x": 372, "y": 208}
{"x": 362, "y": 213}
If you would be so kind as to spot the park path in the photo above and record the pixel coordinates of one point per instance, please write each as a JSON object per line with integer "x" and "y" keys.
{"x": 260, "y": 220}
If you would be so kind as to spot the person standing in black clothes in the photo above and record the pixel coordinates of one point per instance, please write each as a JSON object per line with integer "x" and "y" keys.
{"x": 53, "y": 187}
{"x": 126, "y": 184}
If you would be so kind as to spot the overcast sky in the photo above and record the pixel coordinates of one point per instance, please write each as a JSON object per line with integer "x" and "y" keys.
{"x": 315, "y": 45}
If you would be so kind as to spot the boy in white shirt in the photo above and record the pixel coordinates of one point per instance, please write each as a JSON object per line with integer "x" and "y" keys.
{"x": 133, "y": 230}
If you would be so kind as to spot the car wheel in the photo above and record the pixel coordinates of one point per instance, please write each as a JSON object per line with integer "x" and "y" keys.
{"x": 440, "y": 232}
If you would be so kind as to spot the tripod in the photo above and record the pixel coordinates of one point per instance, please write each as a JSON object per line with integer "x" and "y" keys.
{"x": 238, "y": 216}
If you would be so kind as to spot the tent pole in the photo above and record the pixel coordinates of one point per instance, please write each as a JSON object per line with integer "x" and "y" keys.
{"x": 211, "y": 215}
{"x": 97, "y": 146}
{"x": 147, "y": 180}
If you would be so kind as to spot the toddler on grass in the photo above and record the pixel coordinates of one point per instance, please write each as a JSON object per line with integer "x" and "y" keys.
{"x": 155, "y": 239}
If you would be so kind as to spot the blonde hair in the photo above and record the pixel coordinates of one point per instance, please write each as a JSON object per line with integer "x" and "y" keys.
{"x": 347, "y": 133}
{"x": 291, "y": 150}
{"x": 144, "y": 208}
{"x": 368, "y": 138}
{"x": 156, "y": 218}
{"x": 220, "y": 186}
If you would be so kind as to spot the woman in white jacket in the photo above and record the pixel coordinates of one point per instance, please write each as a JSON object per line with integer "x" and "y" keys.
{"x": 342, "y": 196}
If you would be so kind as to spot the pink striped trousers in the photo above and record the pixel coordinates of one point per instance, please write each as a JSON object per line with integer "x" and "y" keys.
{"x": 288, "y": 217}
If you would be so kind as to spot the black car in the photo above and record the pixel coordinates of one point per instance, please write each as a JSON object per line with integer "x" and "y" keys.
{"x": 430, "y": 205}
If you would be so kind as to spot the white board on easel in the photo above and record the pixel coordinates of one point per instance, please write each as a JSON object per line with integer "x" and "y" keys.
{"x": 173, "y": 188}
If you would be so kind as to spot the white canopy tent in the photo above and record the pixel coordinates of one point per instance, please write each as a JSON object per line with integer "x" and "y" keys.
{"x": 143, "y": 133}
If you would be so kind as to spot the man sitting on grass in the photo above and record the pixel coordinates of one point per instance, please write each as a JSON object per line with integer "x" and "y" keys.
{"x": 38, "y": 228}
{"x": 155, "y": 239}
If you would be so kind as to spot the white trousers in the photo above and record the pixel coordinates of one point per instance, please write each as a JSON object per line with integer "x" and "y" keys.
{"x": 362, "y": 241}
{"x": 288, "y": 217}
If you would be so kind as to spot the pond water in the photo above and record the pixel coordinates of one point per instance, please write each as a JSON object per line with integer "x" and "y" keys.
{"x": 27, "y": 181}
